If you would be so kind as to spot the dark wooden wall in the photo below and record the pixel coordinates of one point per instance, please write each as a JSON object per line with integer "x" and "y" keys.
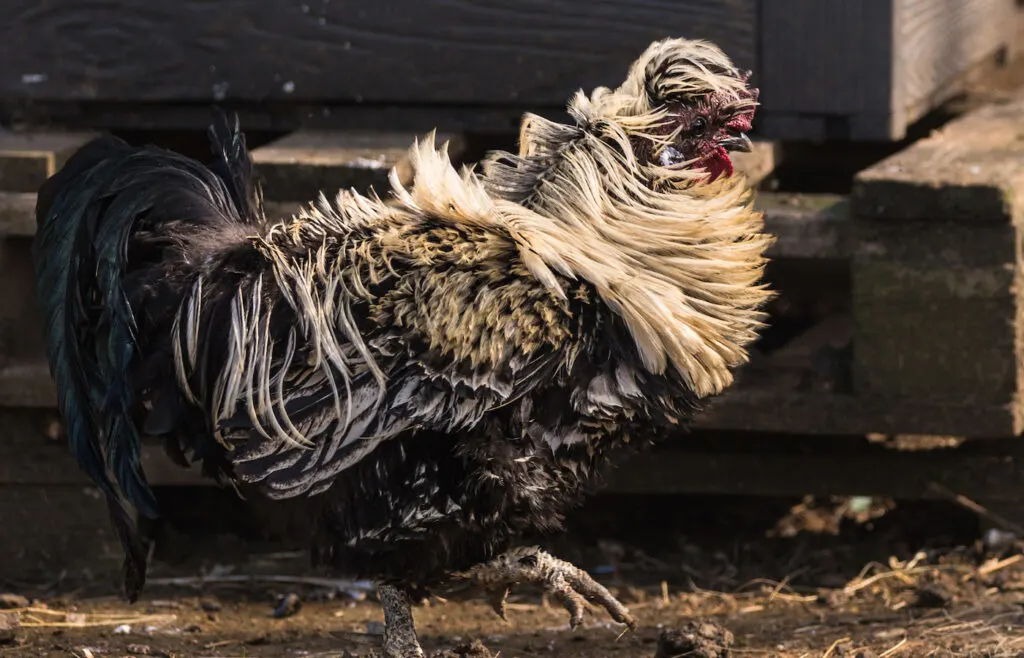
{"x": 867, "y": 69}
{"x": 842, "y": 69}
{"x": 525, "y": 52}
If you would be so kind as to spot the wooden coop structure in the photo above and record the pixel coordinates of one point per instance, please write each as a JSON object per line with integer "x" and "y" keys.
{"x": 914, "y": 323}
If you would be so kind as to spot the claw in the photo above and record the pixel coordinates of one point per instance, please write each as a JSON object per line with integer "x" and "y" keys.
{"x": 573, "y": 586}
{"x": 497, "y": 600}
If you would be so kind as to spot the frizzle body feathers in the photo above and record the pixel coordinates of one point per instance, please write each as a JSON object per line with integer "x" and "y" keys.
{"x": 438, "y": 374}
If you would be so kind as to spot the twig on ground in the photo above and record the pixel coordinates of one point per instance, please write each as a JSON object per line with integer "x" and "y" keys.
{"x": 893, "y": 650}
{"x": 834, "y": 645}
{"x": 992, "y": 566}
{"x": 978, "y": 509}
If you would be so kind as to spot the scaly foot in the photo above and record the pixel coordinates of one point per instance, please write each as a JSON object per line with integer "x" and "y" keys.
{"x": 564, "y": 580}
{"x": 399, "y": 631}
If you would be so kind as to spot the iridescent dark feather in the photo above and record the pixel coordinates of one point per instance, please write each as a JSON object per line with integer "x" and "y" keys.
{"x": 89, "y": 216}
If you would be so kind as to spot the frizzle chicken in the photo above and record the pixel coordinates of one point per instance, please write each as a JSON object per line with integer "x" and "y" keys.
{"x": 436, "y": 374}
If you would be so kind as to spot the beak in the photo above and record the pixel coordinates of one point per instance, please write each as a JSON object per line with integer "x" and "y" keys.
{"x": 739, "y": 142}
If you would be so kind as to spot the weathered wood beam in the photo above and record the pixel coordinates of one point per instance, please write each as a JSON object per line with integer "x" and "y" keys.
{"x": 971, "y": 171}
{"x": 301, "y": 165}
{"x": 28, "y": 159}
{"x": 530, "y": 52}
{"x": 17, "y": 214}
{"x": 980, "y": 470}
{"x": 760, "y": 162}
{"x": 812, "y": 226}
{"x": 936, "y": 272}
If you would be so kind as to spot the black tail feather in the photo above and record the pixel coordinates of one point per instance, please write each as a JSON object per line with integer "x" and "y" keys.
{"x": 89, "y": 215}
{"x": 233, "y": 164}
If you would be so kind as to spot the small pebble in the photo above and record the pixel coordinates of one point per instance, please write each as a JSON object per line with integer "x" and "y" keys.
{"x": 696, "y": 640}
{"x": 210, "y": 604}
{"x": 8, "y": 601}
{"x": 474, "y": 649}
{"x": 53, "y": 430}
{"x": 288, "y": 606}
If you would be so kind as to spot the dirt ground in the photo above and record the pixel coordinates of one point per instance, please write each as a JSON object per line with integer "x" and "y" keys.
{"x": 755, "y": 578}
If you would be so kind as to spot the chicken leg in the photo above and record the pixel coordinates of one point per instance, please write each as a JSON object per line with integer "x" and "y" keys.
{"x": 399, "y": 630}
{"x": 565, "y": 581}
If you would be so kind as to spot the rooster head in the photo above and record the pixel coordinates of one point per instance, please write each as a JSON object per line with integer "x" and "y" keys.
{"x": 684, "y": 105}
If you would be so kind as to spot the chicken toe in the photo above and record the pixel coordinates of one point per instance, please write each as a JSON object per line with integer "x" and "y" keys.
{"x": 572, "y": 585}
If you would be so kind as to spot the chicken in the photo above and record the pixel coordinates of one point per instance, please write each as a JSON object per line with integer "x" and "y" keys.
{"x": 433, "y": 375}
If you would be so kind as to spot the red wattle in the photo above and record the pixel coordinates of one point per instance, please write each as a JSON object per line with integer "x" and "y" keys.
{"x": 717, "y": 163}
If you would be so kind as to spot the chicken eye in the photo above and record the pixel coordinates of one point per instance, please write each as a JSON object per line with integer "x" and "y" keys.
{"x": 699, "y": 126}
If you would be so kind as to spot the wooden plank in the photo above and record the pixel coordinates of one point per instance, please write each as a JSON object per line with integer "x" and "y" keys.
{"x": 936, "y": 43}
{"x": 21, "y": 326}
{"x": 936, "y": 305}
{"x": 528, "y": 52}
{"x": 300, "y": 166}
{"x": 822, "y": 413}
{"x": 27, "y": 383}
{"x": 274, "y": 117}
{"x": 972, "y": 170}
{"x": 866, "y": 70}
{"x": 826, "y": 58}
{"x": 17, "y": 214}
{"x": 28, "y": 159}
{"x": 936, "y": 277}
{"x": 806, "y": 225}
{"x": 833, "y": 83}
{"x": 989, "y": 470}
{"x": 760, "y": 162}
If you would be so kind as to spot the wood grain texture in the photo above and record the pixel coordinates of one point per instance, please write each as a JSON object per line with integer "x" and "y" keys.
{"x": 826, "y": 57}
{"x": 938, "y": 40}
{"x": 431, "y": 51}
{"x": 27, "y": 384}
{"x": 866, "y": 69}
{"x": 937, "y": 284}
{"x": 937, "y": 306}
{"x": 21, "y": 325}
{"x": 972, "y": 170}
